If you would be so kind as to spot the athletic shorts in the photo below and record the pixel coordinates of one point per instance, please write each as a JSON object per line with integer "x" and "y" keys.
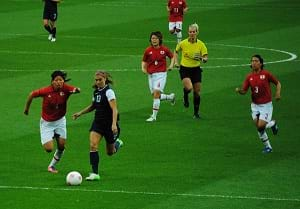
{"x": 48, "y": 129}
{"x": 177, "y": 25}
{"x": 104, "y": 129}
{"x": 157, "y": 81}
{"x": 194, "y": 73}
{"x": 50, "y": 12}
{"x": 262, "y": 111}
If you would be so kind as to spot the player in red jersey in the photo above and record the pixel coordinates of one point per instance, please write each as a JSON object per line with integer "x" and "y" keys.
{"x": 176, "y": 9}
{"x": 53, "y": 121}
{"x": 155, "y": 65}
{"x": 262, "y": 109}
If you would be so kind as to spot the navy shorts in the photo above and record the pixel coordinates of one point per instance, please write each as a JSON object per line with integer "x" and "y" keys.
{"x": 104, "y": 129}
{"x": 194, "y": 73}
{"x": 50, "y": 12}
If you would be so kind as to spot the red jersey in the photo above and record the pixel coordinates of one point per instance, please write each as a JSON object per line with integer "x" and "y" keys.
{"x": 54, "y": 102}
{"x": 260, "y": 86}
{"x": 176, "y": 10}
{"x": 156, "y": 59}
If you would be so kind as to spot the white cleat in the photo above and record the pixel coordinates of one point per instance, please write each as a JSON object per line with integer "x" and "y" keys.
{"x": 53, "y": 39}
{"x": 93, "y": 177}
{"x": 50, "y": 37}
{"x": 151, "y": 119}
{"x": 172, "y": 99}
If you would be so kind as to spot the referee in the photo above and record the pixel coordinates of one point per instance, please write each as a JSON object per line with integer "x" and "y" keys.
{"x": 193, "y": 52}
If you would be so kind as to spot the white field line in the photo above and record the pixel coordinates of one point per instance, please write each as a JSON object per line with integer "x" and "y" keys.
{"x": 153, "y": 193}
{"x": 292, "y": 56}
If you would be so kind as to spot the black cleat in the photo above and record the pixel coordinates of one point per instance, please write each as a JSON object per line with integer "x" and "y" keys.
{"x": 196, "y": 116}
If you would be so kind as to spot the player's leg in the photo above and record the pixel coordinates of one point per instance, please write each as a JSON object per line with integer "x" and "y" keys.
{"x": 113, "y": 143}
{"x": 187, "y": 84}
{"x": 60, "y": 135}
{"x": 261, "y": 116}
{"x": 53, "y": 30}
{"x": 172, "y": 28}
{"x": 196, "y": 77}
{"x": 196, "y": 91}
{"x": 162, "y": 83}
{"x": 155, "y": 105}
{"x": 178, "y": 30}
{"x": 94, "y": 156}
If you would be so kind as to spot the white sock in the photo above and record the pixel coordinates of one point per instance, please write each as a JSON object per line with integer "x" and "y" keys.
{"x": 179, "y": 36}
{"x": 155, "y": 107}
{"x": 264, "y": 138}
{"x": 57, "y": 156}
{"x": 270, "y": 124}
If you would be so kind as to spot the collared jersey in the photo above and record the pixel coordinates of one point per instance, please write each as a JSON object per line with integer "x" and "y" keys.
{"x": 156, "y": 59}
{"x": 54, "y": 104}
{"x": 101, "y": 98}
{"x": 176, "y": 10}
{"x": 260, "y": 86}
{"x": 189, "y": 50}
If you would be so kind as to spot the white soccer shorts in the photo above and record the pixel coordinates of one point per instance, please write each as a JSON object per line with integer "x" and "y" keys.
{"x": 264, "y": 111}
{"x": 47, "y": 129}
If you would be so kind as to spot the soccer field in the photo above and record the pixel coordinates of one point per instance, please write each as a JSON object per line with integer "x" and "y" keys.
{"x": 176, "y": 162}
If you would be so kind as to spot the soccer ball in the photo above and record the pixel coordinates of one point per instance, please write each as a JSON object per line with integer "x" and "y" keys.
{"x": 74, "y": 178}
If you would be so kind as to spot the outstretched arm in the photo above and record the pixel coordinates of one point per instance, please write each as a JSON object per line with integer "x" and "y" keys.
{"x": 83, "y": 111}
{"x": 240, "y": 91}
{"x": 28, "y": 103}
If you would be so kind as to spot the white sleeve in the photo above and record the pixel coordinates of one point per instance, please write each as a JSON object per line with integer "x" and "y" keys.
{"x": 110, "y": 94}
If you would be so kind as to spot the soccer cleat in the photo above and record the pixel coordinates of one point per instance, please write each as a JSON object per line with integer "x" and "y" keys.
{"x": 196, "y": 116}
{"x": 151, "y": 119}
{"x": 52, "y": 169}
{"x": 275, "y": 129}
{"x": 53, "y": 39}
{"x": 50, "y": 37}
{"x": 93, "y": 177}
{"x": 267, "y": 150}
{"x": 172, "y": 99}
{"x": 118, "y": 144}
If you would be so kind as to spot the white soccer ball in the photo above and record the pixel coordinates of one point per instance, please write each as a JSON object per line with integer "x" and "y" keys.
{"x": 74, "y": 178}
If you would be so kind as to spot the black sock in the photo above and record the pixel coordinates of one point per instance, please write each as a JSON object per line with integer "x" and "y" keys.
{"x": 186, "y": 94}
{"x": 53, "y": 32}
{"x": 47, "y": 27}
{"x": 196, "y": 104}
{"x": 94, "y": 161}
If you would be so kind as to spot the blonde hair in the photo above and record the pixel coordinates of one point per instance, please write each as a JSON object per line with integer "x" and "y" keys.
{"x": 194, "y": 25}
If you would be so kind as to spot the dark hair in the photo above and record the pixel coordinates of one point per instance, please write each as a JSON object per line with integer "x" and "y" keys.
{"x": 61, "y": 74}
{"x": 158, "y": 34}
{"x": 104, "y": 74}
{"x": 261, "y": 60}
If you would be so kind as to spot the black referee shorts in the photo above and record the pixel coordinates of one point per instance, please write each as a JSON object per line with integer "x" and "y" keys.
{"x": 194, "y": 73}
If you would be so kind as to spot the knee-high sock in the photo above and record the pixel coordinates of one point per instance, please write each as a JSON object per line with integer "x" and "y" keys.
{"x": 53, "y": 32}
{"x": 47, "y": 27}
{"x": 94, "y": 161}
{"x": 196, "y": 104}
{"x": 155, "y": 107}
{"x": 56, "y": 158}
{"x": 262, "y": 134}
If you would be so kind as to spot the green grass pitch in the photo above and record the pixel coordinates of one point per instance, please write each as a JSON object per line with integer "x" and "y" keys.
{"x": 176, "y": 162}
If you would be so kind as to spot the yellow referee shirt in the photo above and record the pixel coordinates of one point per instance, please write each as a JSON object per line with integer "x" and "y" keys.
{"x": 189, "y": 50}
